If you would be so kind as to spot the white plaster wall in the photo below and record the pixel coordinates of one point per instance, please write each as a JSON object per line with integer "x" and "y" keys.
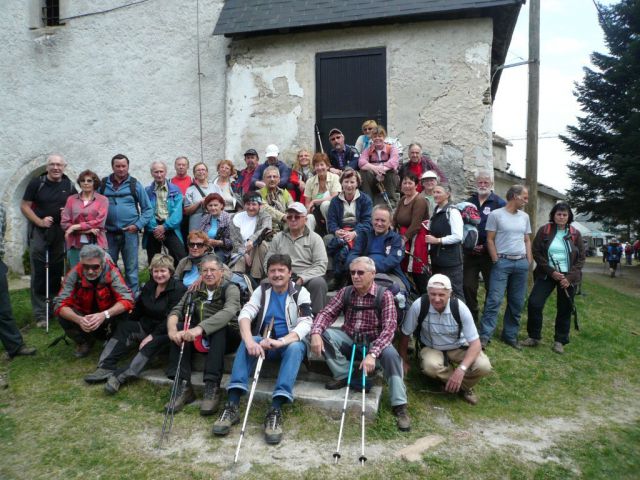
{"x": 437, "y": 74}
{"x": 119, "y": 82}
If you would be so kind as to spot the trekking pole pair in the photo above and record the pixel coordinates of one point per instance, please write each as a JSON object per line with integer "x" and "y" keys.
{"x": 362, "y": 340}
{"x": 167, "y": 424}
{"x": 256, "y": 375}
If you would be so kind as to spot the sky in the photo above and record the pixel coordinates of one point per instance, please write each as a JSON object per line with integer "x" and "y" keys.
{"x": 569, "y": 33}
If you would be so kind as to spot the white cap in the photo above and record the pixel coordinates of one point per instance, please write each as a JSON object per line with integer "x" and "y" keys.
{"x": 272, "y": 151}
{"x": 297, "y": 207}
{"x": 439, "y": 281}
{"x": 429, "y": 174}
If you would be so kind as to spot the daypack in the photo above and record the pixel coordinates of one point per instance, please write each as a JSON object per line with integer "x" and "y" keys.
{"x": 573, "y": 232}
{"x": 384, "y": 284}
{"x": 133, "y": 186}
{"x": 470, "y": 219}
{"x": 43, "y": 178}
{"x": 424, "y": 309}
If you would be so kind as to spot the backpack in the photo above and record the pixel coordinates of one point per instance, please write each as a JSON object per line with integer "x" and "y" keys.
{"x": 470, "y": 219}
{"x": 384, "y": 284}
{"x": 424, "y": 309}
{"x": 573, "y": 232}
{"x": 43, "y": 178}
{"x": 133, "y": 186}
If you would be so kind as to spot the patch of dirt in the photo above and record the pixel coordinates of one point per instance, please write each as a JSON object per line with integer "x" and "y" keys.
{"x": 627, "y": 279}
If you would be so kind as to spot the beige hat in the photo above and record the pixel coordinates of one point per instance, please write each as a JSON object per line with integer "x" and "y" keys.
{"x": 297, "y": 207}
{"x": 439, "y": 281}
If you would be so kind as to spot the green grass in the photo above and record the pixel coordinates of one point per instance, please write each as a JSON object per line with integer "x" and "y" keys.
{"x": 54, "y": 426}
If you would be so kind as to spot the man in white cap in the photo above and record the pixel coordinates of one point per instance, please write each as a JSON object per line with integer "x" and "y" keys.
{"x": 272, "y": 160}
{"x": 307, "y": 251}
{"x": 429, "y": 180}
{"x": 450, "y": 349}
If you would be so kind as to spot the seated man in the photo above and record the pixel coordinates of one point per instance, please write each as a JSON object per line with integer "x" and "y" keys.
{"x": 242, "y": 184}
{"x": 379, "y": 166}
{"x": 257, "y": 181}
{"x": 362, "y": 317}
{"x": 289, "y": 305}
{"x": 450, "y": 345}
{"x": 216, "y": 303}
{"x": 93, "y": 298}
{"x": 146, "y": 326}
{"x": 341, "y": 155}
{"x": 275, "y": 199}
{"x": 308, "y": 255}
{"x": 384, "y": 246}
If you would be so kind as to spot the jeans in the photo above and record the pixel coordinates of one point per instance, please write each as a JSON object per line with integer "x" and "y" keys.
{"x": 127, "y": 244}
{"x": 290, "y": 358}
{"x": 10, "y": 336}
{"x": 538, "y": 297}
{"x": 509, "y": 275}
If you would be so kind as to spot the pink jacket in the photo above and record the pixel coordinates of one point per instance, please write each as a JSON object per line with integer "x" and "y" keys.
{"x": 93, "y": 215}
{"x": 389, "y": 157}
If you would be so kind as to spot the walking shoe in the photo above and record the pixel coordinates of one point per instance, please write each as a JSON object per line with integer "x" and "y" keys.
{"x": 99, "y": 376}
{"x": 336, "y": 384}
{"x": 211, "y": 399}
{"x": 402, "y": 417}
{"x": 558, "y": 347}
{"x": 469, "y": 396}
{"x": 530, "y": 342}
{"x": 512, "y": 343}
{"x": 82, "y": 350}
{"x": 228, "y": 418}
{"x": 112, "y": 386}
{"x": 23, "y": 350}
{"x": 41, "y": 324}
{"x": 273, "y": 426}
{"x": 184, "y": 396}
{"x": 484, "y": 342}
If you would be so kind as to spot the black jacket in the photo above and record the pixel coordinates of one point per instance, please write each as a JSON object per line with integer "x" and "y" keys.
{"x": 152, "y": 312}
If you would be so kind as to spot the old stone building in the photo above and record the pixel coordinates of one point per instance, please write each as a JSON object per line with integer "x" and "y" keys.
{"x": 208, "y": 79}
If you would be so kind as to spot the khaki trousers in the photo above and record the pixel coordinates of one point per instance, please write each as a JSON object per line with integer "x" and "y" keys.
{"x": 434, "y": 364}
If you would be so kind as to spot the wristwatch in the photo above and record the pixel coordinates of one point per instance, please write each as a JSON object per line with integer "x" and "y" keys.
{"x": 373, "y": 355}
{"x": 463, "y": 368}
{"x": 106, "y": 314}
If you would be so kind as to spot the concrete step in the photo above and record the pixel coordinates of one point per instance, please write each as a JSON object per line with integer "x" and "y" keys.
{"x": 309, "y": 389}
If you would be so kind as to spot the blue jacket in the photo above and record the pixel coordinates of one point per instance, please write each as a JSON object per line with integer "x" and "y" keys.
{"x": 351, "y": 157}
{"x": 174, "y": 205}
{"x": 493, "y": 202}
{"x": 363, "y": 213}
{"x": 394, "y": 247}
{"x": 123, "y": 210}
{"x": 285, "y": 173}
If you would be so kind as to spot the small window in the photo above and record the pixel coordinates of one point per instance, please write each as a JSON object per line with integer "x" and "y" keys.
{"x": 50, "y": 13}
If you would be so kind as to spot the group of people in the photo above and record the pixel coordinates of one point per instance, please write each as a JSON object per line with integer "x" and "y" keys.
{"x": 263, "y": 245}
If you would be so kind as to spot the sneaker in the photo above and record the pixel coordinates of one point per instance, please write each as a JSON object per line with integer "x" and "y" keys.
{"x": 184, "y": 396}
{"x": 336, "y": 384}
{"x": 211, "y": 399}
{"x": 558, "y": 347}
{"x": 112, "y": 386}
{"x": 82, "y": 350}
{"x": 530, "y": 342}
{"x": 469, "y": 396}
{"x": 228, "y": 418}
{"x": 402, "y": 417}
{"x": 273, "y": 426}
{"x": 99, "y": 376}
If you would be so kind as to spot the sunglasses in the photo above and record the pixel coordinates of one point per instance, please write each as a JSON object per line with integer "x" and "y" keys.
{"x": 291, "y": 216}
{"x": 86, "y": 180}
{"x": 358, "y": 273}
{"x": 195, "y": 245}
{"x": 90, "y": 267}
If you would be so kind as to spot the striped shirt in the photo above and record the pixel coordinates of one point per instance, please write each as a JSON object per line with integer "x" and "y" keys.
{"x": 379, "y": 331}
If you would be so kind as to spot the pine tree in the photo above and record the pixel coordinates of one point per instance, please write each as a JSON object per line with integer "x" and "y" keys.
{"x": 606, "y": 178}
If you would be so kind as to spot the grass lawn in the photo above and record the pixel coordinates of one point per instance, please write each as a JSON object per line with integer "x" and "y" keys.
{"x": 540, "y": 416}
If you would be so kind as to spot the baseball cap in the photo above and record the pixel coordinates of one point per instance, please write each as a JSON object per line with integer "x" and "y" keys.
{"x": 335, "y": 130}
{"x": 297, "y": 207}
{"x": 429, "y": 174}
{"x": 439, "y": 281}
{"x": 251, "y": 151}
{"x": 272, "y": 151}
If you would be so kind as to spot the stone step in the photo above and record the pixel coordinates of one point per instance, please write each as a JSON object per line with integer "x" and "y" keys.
{"x": 309, "y": 389}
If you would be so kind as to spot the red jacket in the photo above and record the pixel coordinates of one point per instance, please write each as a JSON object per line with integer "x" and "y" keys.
{"x": 78, "y": 293}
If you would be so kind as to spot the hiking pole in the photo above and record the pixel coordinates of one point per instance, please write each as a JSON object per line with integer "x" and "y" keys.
{"x": 319, "y": 139}
{"x": 385, "y": 195}
{"x": 362, "y": 458}
{"x": 256, "y": 375}
{"x": 169, "y": 413}
{"x": 572, "y": 301}
{"x": 337, "y": 455}
{"x": 47, "y": 300}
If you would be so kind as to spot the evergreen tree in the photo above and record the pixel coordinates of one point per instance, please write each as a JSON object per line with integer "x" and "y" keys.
{"x": 606, "y": 178}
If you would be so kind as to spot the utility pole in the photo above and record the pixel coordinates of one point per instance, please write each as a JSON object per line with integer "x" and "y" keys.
{"x": 533, "y": 111}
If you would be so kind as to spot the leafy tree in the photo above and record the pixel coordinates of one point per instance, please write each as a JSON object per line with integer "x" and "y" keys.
{"x": 606, "y": 178}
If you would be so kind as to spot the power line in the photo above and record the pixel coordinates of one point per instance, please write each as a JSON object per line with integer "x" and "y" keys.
{"x": 104, "y": 11}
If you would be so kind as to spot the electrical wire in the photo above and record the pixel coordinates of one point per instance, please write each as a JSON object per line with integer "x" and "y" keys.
{"x": 199, "y": 77}
{"x": 103, "y": 11}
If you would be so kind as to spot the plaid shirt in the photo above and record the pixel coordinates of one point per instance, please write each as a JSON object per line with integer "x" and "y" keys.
{"x": 361, "y": 321}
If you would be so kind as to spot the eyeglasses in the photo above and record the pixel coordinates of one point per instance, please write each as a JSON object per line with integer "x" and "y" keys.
{"x": 91, "y": 267}
{"x": 86, "y": 180}
{"x": 210, "y": 270}
{"x": 291, "y": 216}
{"x": 357, "y": 273}
{"x": 195, "y": 245}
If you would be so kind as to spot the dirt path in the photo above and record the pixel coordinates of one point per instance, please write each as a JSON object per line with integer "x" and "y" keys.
{"x": 627, "y": 279}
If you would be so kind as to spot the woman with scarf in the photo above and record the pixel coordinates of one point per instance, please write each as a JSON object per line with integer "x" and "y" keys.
{"x": 215, "y": 223}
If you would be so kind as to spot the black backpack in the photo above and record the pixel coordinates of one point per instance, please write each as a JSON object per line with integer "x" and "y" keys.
{"x": 133, "y": 186}
{"x": 424, "y": 309}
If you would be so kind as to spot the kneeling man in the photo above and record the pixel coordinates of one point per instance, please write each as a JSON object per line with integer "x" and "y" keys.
{"x": 362, "y": 317}
{"x": 450, "y": 346}
{"x": 289, "y": 305}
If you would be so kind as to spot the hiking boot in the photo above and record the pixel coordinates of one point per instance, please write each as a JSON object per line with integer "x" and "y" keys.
{"x": 184, "y": 396}
{"x": 469, "y": 396}
{"x": 82, "y": 350}
{"x": 99, "y": 376}
{"x": 211, "y": 399}
{"x": 558, "y": 347}
{"x": 530, "y": 342}
{"x": 112, "y": 386}
{"x": 402, "y": 417}
{"x": 512, "y": 343}
{"x": 229, "y": 417}
{"x": 273, "y": 426}
{"x": 336, "y": 384}
{"x": 23, "y": 350}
